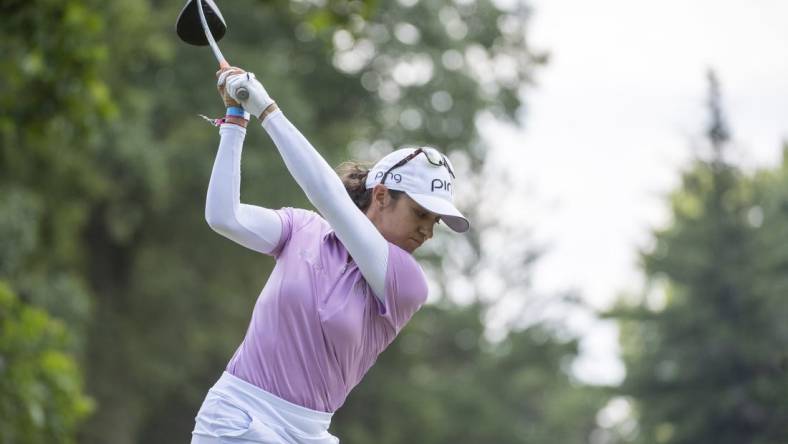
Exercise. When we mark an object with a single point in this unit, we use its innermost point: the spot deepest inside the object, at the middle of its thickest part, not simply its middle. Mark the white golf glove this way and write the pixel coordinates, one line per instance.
(258, 99)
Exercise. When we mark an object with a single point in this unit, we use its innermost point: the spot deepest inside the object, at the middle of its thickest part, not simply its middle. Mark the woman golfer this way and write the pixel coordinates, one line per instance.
(344, 283)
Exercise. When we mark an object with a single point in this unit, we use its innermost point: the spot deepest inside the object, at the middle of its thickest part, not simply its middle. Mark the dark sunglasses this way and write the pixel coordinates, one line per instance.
(433, 156)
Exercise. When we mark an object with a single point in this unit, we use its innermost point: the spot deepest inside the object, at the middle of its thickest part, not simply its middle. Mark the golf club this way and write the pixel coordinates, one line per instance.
(200, 23)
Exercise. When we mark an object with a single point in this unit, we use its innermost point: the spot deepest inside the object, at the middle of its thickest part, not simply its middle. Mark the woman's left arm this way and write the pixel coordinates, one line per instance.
(318, 180)
(327, 193)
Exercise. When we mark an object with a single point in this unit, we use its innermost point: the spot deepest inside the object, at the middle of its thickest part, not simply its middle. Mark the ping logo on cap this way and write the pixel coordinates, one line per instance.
(440, 184)
(396, 177)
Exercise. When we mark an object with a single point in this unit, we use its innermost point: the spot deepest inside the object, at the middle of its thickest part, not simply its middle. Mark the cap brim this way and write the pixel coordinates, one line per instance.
(449, 214)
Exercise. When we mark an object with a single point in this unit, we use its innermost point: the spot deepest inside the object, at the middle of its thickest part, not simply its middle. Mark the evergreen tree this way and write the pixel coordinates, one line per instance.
(705, 367)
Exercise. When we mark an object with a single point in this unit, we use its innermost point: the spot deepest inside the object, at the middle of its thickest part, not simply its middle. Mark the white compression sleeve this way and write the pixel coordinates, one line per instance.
(327, 193)
(253, 227)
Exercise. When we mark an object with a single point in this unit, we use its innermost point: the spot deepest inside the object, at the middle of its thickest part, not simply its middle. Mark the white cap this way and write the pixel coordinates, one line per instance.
(430, 185)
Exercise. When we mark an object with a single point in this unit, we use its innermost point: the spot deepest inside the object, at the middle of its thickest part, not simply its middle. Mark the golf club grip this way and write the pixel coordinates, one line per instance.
(242, 93)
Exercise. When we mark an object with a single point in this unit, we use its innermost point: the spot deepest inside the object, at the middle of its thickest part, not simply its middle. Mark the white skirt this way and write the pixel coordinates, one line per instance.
(235, 411)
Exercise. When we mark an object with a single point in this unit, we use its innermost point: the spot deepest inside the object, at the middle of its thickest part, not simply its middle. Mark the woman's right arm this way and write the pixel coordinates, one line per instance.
(254, 227)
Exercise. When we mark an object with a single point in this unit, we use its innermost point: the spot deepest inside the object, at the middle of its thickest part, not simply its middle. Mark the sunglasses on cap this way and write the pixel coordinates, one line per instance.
(433, 156)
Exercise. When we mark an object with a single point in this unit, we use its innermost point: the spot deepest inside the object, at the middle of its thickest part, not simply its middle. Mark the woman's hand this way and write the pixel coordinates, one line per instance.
(257, 102)
(221, 83)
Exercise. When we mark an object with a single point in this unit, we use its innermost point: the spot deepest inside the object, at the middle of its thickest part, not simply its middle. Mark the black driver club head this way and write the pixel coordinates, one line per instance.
(189, 27)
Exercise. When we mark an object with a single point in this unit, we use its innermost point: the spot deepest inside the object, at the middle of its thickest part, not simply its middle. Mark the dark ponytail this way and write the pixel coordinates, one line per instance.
(354, 177)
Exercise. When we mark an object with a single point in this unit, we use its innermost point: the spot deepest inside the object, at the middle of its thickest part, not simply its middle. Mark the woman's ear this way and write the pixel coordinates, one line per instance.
(380, 196)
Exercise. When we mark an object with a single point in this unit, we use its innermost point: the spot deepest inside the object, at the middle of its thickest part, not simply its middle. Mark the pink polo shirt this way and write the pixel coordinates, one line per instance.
(317, 327)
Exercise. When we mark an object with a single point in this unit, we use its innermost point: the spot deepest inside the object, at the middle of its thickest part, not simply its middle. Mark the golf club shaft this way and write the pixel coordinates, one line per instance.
(242, 93)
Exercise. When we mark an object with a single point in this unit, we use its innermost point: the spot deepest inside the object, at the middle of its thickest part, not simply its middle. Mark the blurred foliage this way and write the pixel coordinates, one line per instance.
(441, 381)
(41, 394)
(705, 348)
(103, 170)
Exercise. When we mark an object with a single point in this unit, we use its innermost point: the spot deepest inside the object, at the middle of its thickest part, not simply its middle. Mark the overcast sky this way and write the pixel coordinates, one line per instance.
(613, 120)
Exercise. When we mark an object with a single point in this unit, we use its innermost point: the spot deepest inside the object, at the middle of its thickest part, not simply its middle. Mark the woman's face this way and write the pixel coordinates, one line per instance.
(401, 221)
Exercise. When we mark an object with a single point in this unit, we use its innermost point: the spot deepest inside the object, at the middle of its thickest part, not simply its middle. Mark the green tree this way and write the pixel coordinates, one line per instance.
(75, 180)
(41, 393)
(706, 366)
